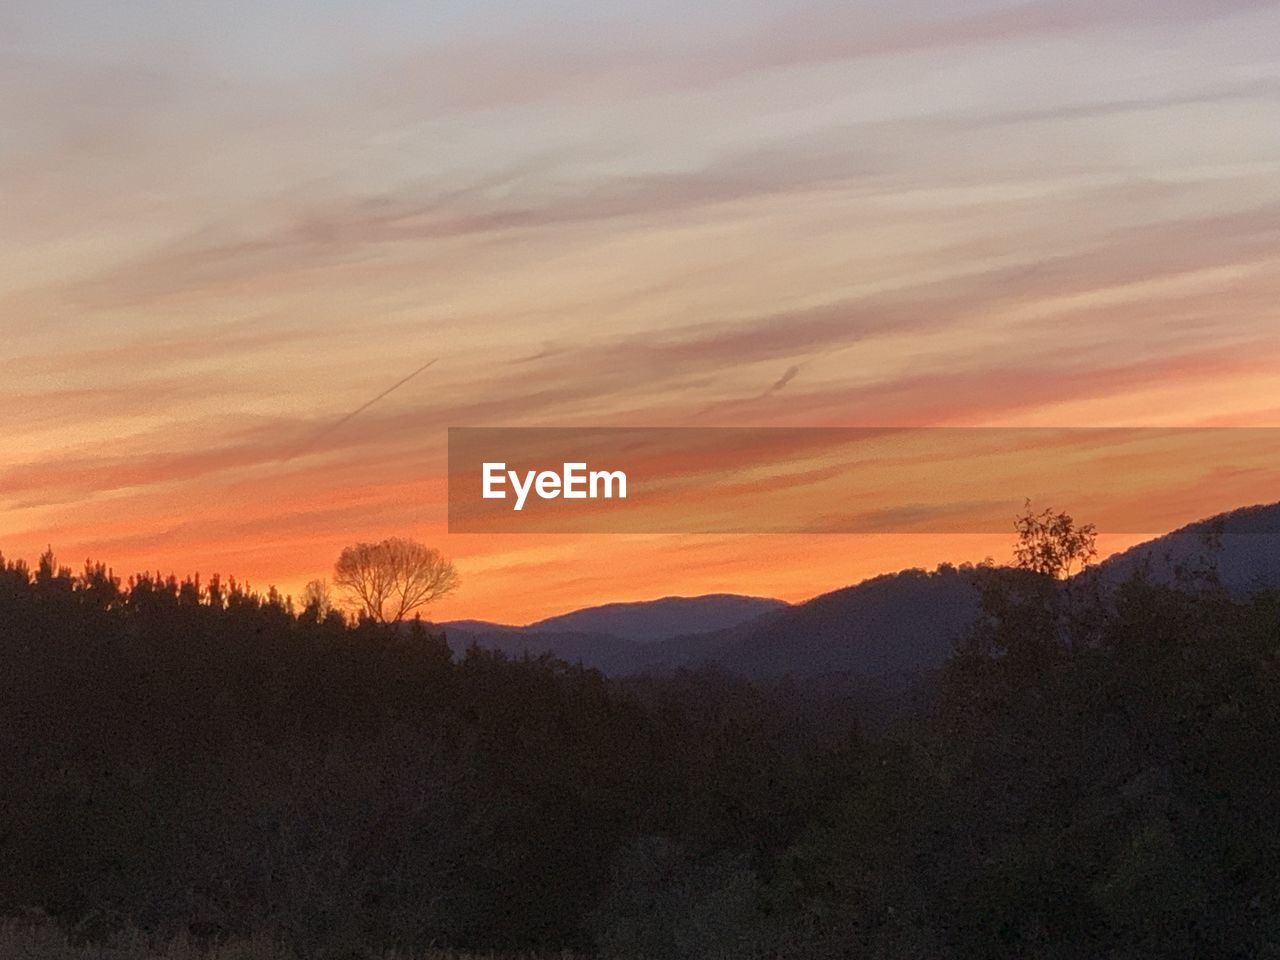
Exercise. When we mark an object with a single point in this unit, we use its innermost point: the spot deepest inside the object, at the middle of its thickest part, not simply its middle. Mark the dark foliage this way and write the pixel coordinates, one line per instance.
(1093, 775)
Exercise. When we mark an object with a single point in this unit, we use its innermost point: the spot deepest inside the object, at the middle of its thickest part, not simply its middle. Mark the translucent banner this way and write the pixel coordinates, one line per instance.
(850, 480)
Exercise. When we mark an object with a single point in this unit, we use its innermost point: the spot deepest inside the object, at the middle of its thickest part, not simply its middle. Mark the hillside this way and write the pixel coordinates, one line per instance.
(890, 625)
(896, 623)
(1243, 546)
(612, 637)
(648, 621)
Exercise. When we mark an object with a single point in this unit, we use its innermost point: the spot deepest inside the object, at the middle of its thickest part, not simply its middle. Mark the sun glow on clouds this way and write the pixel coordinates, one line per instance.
(223, 231)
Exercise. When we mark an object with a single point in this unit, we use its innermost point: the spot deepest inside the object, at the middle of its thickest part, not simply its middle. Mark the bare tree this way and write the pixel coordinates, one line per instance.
(1052, 544)
(391, 579)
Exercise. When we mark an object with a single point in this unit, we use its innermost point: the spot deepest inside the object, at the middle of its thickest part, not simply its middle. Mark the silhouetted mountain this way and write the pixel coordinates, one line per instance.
(647, 621)
(909, 621)
(891, 624)
(477, 626)
(612, 637)
(1243, 546)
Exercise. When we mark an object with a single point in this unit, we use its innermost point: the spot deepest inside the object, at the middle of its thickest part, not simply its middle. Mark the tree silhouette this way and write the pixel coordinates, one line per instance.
(1049, 542)
(393, 578)
(316, 599)
(352, 789)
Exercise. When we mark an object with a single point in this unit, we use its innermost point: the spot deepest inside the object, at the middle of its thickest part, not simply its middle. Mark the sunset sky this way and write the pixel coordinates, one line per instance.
(224, 227)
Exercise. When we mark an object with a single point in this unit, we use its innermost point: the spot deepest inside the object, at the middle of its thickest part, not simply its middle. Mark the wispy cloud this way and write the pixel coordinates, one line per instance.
(217, 245)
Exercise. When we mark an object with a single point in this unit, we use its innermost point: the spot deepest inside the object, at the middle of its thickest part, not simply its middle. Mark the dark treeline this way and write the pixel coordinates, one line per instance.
(1094, 777)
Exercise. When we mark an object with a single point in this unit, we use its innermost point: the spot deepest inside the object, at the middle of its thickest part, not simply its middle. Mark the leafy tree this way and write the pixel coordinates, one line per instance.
(1050, 542)
(391, 579)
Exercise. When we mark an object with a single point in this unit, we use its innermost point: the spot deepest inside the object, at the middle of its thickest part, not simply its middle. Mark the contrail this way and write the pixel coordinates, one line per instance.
(325, 431)
(788, 375)
(782, 381)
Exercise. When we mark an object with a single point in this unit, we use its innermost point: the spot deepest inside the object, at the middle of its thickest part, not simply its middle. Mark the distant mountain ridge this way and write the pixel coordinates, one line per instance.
(891, 625)
(641, 621)
(611, 637)
(648, 621)
(894, 623)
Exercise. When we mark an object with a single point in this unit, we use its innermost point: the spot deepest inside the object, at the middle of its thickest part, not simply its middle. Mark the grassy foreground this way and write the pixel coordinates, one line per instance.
(37, 939)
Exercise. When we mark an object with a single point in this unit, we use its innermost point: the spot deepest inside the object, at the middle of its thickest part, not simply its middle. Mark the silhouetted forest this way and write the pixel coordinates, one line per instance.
(1094, 774)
